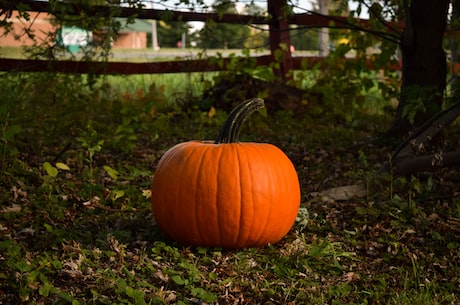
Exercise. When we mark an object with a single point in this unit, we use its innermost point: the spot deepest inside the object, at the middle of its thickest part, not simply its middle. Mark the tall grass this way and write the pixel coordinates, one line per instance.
(182, 87)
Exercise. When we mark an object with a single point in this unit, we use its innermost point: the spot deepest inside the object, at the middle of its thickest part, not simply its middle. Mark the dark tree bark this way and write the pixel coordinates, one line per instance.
(424, 63)
(279, 34)
(454, 46)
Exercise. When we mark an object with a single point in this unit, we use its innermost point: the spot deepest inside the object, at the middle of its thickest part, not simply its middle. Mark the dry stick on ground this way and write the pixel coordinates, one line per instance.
(408, 158)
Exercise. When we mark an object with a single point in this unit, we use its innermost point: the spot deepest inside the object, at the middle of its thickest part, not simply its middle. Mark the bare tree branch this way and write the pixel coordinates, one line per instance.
(404, 160)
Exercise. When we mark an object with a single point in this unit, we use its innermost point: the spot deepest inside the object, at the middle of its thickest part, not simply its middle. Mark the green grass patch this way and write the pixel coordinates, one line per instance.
(11, 52)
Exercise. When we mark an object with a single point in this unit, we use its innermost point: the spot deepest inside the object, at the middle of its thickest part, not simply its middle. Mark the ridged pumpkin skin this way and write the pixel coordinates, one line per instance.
(229, 195)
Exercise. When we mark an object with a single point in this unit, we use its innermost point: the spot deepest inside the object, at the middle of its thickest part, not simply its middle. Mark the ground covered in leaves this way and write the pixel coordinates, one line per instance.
(76, 224)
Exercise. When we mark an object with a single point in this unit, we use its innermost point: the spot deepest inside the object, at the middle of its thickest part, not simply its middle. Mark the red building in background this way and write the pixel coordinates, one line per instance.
(39, 25)
(131, 36)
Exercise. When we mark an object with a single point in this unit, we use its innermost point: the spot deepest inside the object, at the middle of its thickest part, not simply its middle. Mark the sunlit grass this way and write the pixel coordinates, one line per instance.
(176, 86)
(11, 52)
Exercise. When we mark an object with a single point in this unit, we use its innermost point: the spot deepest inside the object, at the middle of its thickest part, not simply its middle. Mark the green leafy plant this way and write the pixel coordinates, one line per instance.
(8, 133)
(50, 179)
(8, 147)
(89, 141)
(139, 111)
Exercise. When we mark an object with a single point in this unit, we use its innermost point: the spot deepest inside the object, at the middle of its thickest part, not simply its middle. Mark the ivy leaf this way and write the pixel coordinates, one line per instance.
(117, 194)
(204, 295)
(113, 173)
(178, 280)
(50, 170)
(62, 166)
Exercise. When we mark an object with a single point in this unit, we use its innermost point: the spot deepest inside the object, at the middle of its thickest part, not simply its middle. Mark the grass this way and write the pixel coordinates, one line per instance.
(163, 54)
(145, 54)
(76, 226)
(177, 87)
(11, 52)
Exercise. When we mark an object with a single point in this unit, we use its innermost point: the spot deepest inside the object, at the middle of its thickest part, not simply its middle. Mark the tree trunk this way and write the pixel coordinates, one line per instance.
(324, 32)
(279, 35)
(424, 68)
(454, 46)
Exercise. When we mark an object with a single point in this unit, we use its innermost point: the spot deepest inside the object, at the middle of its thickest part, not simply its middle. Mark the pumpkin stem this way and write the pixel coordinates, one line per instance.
(230, 131)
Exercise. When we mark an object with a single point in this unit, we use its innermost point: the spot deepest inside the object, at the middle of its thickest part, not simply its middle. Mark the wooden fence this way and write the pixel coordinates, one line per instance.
(278, 25)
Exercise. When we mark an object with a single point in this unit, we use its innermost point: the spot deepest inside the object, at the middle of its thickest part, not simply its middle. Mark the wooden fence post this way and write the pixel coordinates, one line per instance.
(280, 36)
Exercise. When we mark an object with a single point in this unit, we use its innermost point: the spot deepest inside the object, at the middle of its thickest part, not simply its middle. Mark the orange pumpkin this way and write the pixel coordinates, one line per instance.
(226, 193)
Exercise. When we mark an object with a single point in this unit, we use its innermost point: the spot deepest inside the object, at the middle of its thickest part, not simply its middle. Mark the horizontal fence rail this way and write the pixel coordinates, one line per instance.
(180, 66)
